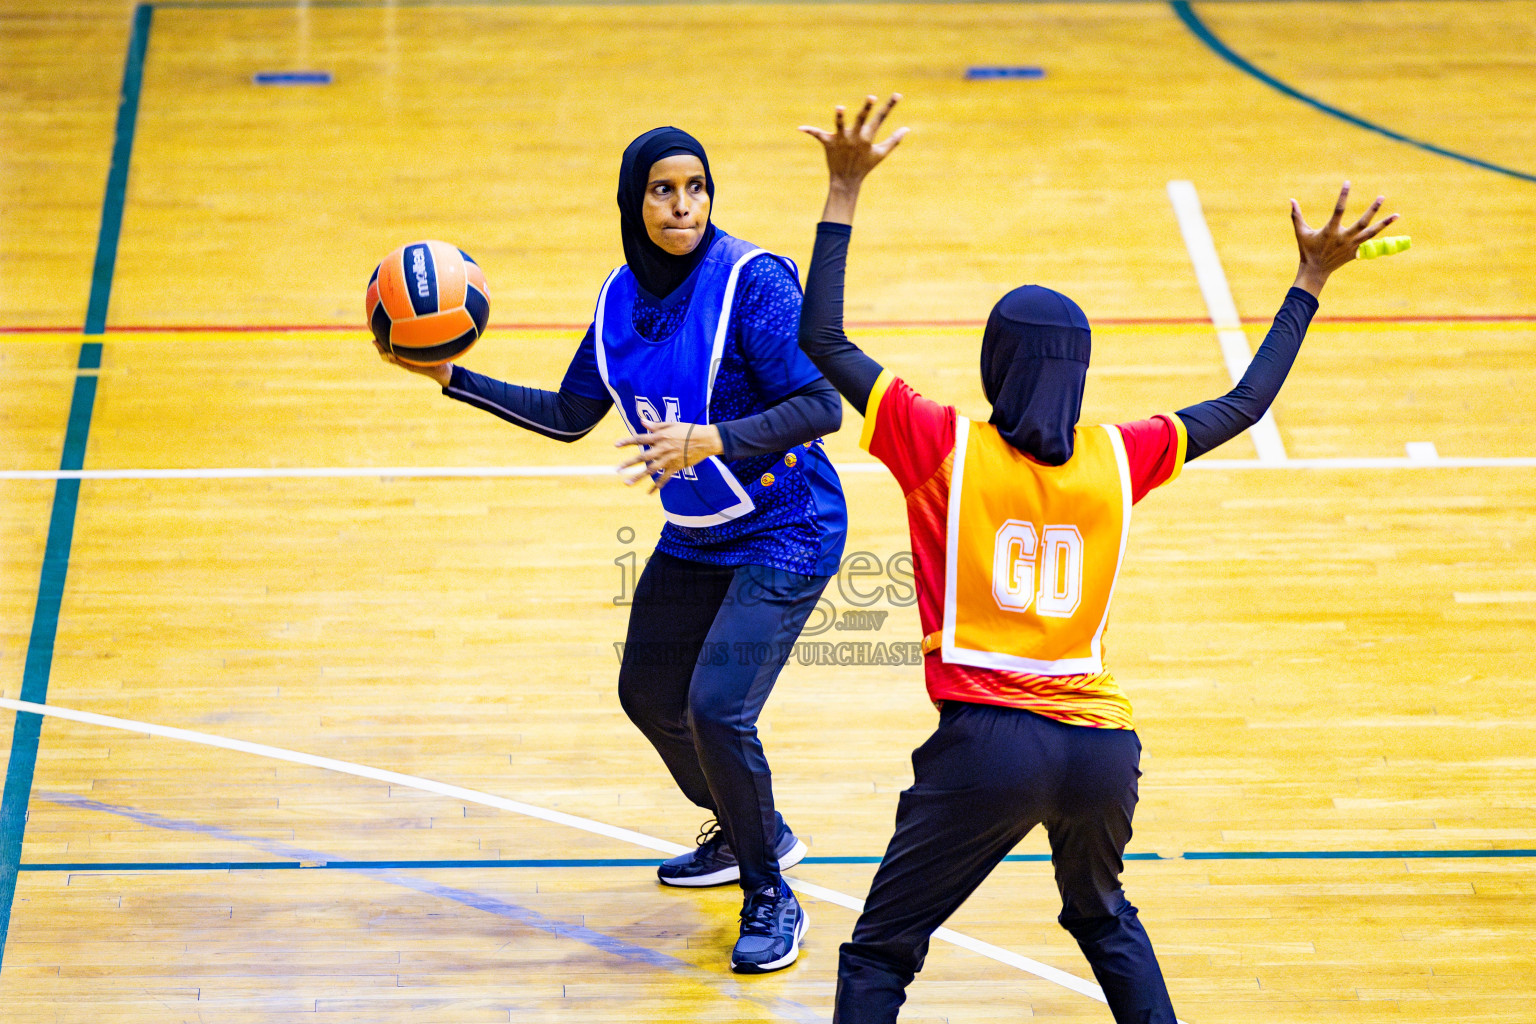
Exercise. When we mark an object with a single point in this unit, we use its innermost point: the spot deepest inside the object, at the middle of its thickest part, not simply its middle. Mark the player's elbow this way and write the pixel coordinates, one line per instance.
(829, 418)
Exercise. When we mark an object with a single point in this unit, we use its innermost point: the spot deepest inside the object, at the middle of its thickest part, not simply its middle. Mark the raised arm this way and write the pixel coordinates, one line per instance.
(1322, 251)
(821, 320)
(851, 154)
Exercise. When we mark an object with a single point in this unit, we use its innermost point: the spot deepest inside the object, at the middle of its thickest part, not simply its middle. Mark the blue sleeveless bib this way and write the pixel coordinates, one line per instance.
(672, 380)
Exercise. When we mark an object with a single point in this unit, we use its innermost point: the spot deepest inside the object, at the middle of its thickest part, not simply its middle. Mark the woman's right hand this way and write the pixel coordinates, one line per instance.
(852, 153)
(442, 373)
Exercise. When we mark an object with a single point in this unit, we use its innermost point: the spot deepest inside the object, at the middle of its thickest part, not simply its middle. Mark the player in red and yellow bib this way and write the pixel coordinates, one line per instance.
(1016, 560)
(1019, 528)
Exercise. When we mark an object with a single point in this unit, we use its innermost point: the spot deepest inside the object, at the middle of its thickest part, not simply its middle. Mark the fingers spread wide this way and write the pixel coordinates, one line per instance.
(1373, 232)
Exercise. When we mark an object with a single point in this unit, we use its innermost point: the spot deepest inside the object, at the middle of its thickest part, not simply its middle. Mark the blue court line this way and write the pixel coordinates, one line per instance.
(117, 176)
(28, 728)
(107, 867)
(27, 731)
(1192, 21)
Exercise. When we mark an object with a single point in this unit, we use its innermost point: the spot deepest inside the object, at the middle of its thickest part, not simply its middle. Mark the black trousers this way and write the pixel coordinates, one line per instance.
(705, 646)
(983, 780)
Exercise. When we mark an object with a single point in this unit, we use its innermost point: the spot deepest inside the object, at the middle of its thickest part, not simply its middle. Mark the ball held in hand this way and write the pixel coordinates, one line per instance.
(427, 303)
(1385, 246)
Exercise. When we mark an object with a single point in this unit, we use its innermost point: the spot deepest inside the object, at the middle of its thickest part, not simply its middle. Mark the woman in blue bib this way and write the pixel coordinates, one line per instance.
(695, 342)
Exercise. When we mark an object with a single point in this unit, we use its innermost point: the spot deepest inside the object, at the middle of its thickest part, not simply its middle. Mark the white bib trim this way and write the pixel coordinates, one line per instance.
(953, 653)
(744, 503)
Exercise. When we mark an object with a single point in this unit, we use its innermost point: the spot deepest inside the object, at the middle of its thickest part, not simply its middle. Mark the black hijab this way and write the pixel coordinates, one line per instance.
(1034, 359)
(658, 271)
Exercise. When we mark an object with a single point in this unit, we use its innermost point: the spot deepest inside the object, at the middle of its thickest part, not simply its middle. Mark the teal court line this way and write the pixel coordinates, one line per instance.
(26, 734)
(117, 176)
(1192, 21)
(628, 862)
(27, 731)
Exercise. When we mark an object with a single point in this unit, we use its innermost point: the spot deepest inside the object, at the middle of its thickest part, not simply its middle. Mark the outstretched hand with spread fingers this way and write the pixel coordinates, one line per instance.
(852, 153)
(1326, 249)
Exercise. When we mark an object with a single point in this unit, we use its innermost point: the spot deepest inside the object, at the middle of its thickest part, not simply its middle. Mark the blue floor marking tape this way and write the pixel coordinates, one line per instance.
(27, 731)
(981, 73)
(292, 78)
(1192, 21)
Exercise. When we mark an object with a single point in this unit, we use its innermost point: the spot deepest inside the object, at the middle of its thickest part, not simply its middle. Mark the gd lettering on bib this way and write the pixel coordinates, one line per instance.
(1033, 552)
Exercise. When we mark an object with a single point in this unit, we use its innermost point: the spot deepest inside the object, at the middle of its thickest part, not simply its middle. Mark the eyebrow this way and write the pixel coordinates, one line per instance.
(667, 181)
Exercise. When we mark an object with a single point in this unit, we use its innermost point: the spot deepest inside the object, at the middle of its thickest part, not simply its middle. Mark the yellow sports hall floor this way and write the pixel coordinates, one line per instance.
(234, 544)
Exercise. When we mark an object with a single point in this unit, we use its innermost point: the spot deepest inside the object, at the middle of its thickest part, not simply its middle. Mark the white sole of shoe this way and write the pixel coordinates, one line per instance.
(782, 962)
(724, 875)
(795, 855)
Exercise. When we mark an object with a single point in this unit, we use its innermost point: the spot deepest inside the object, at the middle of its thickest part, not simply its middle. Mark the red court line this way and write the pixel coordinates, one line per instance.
(1145, 321)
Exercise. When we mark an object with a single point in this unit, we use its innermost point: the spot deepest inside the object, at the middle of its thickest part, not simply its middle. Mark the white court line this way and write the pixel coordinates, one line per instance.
(428, 472)
(348, 768)
(472, 796)
(1219, 304)
(1398, 462)
(304, 472)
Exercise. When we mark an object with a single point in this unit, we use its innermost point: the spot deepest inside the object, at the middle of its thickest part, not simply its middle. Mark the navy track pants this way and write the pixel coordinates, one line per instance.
(705, 645)
(986, 777)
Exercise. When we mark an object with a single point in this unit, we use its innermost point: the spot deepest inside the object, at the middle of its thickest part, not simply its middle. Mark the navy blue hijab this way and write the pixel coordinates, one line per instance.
(658, 271)
(1034, 360)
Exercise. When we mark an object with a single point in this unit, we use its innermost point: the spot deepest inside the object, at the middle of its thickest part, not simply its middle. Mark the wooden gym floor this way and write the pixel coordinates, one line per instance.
(1328, 644)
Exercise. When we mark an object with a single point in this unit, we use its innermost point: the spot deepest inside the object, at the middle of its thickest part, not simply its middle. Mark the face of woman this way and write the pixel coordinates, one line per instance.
(676, 206)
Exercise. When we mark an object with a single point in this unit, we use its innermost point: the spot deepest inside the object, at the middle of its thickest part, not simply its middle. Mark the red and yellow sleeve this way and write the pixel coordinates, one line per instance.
(909, 433)
(872, 408)
(1155, 449)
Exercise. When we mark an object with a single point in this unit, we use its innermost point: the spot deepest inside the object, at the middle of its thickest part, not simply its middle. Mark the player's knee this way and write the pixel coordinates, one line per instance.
(1097, 917)
(630, 699)
(637, 696)
(887, 961)
(713, 710)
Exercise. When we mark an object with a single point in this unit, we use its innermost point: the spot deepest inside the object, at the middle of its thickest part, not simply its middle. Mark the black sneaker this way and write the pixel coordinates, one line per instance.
(713, 863)
(772, 925)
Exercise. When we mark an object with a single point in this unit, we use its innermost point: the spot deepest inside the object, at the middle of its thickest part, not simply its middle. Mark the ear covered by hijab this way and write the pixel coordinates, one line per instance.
(658, 271)
(1034, 360)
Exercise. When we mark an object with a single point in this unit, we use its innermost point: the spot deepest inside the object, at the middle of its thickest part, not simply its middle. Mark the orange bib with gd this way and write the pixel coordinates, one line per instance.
(1033, 552)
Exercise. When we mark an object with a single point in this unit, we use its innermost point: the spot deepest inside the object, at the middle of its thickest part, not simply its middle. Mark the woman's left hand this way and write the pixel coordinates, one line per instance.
(1326, 249)
(668, 449)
